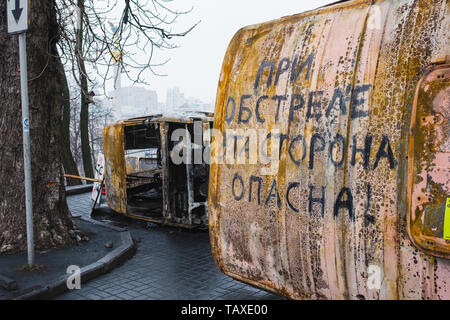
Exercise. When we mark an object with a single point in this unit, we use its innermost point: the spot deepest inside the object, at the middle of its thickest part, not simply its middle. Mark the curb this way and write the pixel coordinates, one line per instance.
(102, 224)
(7, 283)
(102, 266)
(70, 191)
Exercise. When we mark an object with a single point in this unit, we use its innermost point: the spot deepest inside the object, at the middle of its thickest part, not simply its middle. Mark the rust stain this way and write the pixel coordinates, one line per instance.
(142, 181)
(336, 89)
(429, 174)
(51, 184)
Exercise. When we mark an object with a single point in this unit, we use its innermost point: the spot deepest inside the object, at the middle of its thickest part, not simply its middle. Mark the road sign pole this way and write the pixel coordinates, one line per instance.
(26, 145)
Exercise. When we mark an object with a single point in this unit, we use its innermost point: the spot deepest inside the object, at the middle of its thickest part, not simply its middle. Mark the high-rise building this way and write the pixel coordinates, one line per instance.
(135, 102)
(174, 99)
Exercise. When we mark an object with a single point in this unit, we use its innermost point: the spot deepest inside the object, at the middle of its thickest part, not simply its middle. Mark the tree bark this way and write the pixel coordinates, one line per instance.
(84, 113)
(69, 164)
(53, 224)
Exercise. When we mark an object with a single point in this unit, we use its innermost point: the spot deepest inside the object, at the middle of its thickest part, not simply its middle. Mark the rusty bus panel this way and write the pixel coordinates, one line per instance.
(115, 170)
(318, 165)
(429, 174)
(141, 179)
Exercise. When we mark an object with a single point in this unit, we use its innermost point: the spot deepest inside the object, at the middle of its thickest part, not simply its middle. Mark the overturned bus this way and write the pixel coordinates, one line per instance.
(143, 180)
(331, 176)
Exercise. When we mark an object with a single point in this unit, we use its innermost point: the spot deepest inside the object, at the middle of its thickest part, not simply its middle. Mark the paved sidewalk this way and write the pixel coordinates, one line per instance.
(169, 263)
(54, 263)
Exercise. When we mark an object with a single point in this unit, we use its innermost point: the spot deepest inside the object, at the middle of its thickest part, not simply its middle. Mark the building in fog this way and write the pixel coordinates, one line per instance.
(177, 102)
(131, 102)
(174, 99)
(135, 102)
(194, 104)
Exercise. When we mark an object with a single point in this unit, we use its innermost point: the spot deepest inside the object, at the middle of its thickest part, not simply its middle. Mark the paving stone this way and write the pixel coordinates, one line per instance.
(168, 264)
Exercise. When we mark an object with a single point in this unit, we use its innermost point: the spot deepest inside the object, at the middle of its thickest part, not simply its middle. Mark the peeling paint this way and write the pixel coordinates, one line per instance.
(338, 86)
(142, 181)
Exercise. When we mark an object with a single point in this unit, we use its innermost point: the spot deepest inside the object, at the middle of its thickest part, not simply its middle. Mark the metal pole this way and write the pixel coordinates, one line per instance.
(26, 145)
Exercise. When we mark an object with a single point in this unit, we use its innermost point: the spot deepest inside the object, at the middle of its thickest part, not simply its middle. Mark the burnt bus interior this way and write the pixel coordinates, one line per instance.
(158, 189)
(143, 169)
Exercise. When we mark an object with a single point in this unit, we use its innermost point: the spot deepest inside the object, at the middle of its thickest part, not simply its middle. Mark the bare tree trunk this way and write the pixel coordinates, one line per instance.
(84, 113)
(75, 137)
(69, 164)
(53, 223)
(92, 139)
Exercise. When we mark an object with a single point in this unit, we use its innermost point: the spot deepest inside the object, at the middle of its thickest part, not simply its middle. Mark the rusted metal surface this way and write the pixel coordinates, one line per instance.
(141, 179)
(335, 91)
(429, 154)
(115, 169)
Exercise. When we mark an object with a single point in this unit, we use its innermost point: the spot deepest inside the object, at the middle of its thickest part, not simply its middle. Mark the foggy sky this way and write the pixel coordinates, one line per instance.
(195, 66)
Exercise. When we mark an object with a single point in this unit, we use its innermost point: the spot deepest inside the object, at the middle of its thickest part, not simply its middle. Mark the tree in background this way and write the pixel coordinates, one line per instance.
(68, 161)
(85, 96)
(52, 42)
(100, 115)
(53, 223)
(96, 43)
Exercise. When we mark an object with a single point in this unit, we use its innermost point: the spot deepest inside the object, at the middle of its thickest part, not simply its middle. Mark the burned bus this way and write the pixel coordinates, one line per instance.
(338, 183)
(143, 180)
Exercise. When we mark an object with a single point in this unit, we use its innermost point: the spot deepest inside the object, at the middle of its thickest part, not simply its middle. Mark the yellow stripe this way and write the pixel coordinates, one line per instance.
(447, 220)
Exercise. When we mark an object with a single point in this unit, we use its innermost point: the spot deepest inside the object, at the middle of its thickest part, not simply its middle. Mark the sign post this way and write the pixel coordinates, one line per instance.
(17, 14)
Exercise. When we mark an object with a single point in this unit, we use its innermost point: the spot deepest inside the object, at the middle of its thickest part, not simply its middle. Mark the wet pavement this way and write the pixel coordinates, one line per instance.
(53, 263)
(170, 263)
